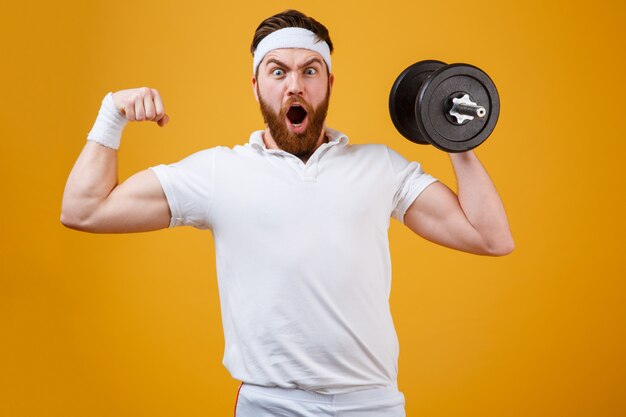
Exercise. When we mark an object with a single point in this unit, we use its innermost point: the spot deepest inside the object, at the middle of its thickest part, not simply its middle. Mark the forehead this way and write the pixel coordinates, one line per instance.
(292, 56)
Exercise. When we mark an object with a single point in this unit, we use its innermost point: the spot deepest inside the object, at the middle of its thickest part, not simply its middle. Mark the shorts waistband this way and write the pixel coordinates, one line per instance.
(302, 395)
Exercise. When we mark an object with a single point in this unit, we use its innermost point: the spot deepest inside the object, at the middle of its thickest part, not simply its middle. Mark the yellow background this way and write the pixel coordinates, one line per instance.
(129, 325)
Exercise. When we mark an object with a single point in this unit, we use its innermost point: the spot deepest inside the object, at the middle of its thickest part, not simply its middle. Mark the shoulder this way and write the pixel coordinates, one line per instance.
(379, 156)
(209, 154)
(369, 149)
(378, 152)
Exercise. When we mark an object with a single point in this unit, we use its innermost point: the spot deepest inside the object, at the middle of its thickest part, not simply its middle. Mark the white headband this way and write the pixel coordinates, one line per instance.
(291, 38)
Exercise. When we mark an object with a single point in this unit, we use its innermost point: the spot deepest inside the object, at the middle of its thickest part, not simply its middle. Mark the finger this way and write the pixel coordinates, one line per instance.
(129, 109)
(140, 114)
(164, 120)
(158, 105)
(148, 105)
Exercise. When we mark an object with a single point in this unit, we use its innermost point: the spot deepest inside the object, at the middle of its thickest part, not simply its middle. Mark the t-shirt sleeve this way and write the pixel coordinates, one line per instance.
(188, 187)
(409, 180)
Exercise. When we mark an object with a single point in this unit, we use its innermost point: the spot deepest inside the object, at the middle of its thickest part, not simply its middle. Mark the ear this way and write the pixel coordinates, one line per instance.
(331, 80)
(254, 88)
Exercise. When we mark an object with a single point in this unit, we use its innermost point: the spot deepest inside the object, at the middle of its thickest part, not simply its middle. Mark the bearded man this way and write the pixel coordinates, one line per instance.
(300, 220)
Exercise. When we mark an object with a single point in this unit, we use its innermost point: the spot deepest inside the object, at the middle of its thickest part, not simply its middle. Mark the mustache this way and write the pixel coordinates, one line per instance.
(291, 101)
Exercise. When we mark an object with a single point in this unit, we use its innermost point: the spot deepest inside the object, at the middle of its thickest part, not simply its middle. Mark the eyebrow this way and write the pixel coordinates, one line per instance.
(282, 64)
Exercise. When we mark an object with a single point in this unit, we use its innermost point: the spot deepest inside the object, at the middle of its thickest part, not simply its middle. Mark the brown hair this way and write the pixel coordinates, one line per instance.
(288, 19)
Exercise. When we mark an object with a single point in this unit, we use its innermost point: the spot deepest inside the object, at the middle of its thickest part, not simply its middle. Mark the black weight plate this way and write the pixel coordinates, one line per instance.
(432, 104)
(403, 96)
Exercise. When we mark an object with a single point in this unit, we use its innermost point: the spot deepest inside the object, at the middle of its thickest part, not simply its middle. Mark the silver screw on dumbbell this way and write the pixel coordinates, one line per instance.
(463, 108)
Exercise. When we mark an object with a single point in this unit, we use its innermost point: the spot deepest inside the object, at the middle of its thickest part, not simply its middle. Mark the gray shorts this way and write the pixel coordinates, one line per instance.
(260, 401)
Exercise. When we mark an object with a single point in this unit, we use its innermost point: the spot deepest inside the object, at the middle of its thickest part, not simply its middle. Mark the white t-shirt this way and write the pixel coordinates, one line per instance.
(302, 255)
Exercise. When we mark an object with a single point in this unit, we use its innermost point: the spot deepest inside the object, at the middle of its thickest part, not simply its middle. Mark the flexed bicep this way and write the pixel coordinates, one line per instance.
(137, 205)
(437, 216)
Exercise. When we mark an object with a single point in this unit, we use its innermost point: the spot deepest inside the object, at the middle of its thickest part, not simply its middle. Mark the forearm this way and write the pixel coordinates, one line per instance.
(95, 172)
(481, 203)
(91, 180)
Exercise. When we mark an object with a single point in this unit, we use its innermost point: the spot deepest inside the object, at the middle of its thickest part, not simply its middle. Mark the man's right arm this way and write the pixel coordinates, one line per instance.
(94, 202)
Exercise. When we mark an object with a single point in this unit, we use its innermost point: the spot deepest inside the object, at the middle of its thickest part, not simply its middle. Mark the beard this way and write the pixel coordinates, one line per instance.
(298, 144)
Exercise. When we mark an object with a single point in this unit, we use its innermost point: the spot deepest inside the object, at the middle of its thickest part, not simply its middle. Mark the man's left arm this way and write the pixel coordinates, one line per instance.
(473, 221)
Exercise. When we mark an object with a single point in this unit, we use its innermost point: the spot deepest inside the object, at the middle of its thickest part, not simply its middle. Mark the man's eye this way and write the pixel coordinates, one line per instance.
(310, 71)
(277, 72)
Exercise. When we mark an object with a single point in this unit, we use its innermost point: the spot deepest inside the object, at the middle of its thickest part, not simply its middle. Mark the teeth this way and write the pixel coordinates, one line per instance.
(297, 125)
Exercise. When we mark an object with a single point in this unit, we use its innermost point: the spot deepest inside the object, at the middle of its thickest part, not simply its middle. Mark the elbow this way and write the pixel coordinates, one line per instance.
(73, 220)
(502, 248)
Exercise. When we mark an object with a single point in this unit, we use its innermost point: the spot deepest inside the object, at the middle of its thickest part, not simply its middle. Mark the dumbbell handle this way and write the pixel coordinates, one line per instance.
(463, 108)
(470, 110)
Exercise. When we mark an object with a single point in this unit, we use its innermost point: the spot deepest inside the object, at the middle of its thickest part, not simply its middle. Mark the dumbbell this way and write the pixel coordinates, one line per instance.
(453, 107)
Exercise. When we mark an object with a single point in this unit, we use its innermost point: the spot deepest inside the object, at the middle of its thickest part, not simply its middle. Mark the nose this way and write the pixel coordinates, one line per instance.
(295, 86)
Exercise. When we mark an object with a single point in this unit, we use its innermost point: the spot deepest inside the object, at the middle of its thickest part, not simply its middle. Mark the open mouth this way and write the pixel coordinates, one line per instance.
(296, 114)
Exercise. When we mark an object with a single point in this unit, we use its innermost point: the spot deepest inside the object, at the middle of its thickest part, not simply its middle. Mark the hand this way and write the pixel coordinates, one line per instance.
(139, 104)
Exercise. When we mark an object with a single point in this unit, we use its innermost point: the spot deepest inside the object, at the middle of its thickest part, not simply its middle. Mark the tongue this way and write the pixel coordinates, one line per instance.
(296, 114)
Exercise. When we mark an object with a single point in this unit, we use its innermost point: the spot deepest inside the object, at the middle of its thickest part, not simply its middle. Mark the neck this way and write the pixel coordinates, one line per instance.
(270, 143)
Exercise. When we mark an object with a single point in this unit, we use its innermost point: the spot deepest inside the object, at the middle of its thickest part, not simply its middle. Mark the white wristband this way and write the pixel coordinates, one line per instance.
(107, 130)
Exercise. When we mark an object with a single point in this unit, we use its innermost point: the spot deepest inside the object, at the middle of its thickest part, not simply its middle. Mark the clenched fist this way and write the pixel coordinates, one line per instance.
(139, 104)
